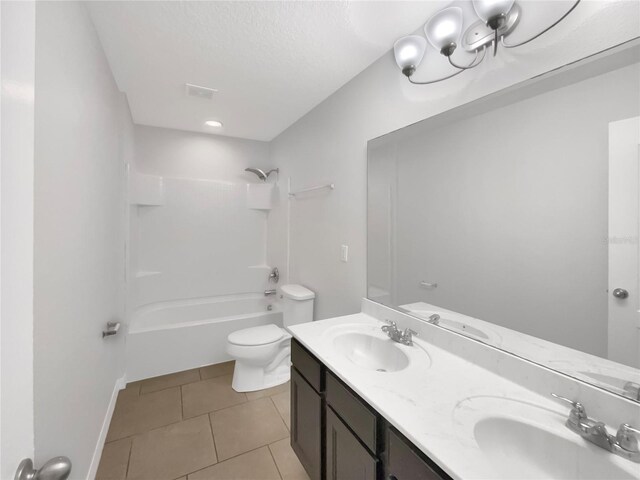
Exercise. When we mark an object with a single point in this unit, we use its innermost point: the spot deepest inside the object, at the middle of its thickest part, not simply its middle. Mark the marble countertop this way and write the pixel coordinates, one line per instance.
(436, 401)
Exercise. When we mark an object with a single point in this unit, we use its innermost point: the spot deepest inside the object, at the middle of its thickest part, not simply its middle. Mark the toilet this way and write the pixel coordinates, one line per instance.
(263, 354)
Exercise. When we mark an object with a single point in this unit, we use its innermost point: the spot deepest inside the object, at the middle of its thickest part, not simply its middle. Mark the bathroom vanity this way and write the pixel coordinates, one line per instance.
(336, 434)
(366, 407)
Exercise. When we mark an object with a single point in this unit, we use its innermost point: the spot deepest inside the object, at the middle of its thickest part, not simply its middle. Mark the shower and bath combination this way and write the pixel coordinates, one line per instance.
(262, 175)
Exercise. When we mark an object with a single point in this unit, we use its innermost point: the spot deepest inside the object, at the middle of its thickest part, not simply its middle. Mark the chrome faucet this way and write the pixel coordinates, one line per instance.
(405, 338)
(434, 319)
(624, 443)
(272, 291)
(274, 275)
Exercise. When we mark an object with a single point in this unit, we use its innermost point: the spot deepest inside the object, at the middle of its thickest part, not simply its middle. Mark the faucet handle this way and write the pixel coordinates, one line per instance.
(627, 438)
(390, 322)
(578, 408)
(408, 331)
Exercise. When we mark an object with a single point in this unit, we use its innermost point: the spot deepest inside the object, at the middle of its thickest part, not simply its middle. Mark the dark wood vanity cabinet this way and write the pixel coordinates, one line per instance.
(404, 462)
(338, 436)
(346, 457)
(306, 425)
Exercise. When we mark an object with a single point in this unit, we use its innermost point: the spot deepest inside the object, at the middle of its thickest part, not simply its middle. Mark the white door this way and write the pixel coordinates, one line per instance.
(624, 220)
(17, 59)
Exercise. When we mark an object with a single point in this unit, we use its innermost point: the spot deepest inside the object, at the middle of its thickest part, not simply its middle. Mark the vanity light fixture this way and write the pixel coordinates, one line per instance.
(213, 123)
(497, 19)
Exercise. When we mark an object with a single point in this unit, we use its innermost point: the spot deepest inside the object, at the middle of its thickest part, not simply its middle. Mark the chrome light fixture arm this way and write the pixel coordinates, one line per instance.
(473, 64)
(514, 45)
(461, 68)
(437, 80)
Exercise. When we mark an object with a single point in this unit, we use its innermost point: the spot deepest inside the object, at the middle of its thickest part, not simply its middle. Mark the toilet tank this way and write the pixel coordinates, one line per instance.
(297, 304)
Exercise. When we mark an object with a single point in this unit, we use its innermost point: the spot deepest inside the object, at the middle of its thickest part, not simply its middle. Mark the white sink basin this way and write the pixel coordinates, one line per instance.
(516, 447)
(370, 352)
(524, 441)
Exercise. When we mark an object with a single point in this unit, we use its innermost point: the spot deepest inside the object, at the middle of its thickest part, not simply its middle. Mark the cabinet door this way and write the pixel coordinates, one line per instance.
(306, 425)
(403, 463)
(347, 458)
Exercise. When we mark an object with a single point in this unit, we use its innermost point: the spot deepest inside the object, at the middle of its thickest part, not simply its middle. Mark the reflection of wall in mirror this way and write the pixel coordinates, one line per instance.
(507, 211)
(380, 229)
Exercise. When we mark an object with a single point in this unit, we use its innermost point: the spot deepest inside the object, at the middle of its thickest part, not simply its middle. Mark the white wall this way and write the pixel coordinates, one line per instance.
(79, 234)
(16, 284)
(203, 240)
(329, 143)
(511, 221)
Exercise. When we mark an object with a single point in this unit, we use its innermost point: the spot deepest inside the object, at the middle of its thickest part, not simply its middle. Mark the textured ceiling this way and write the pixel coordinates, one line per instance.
(272, 62)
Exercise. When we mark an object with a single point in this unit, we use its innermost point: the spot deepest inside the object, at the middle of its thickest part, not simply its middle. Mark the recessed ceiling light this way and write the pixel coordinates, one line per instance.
(213, 123)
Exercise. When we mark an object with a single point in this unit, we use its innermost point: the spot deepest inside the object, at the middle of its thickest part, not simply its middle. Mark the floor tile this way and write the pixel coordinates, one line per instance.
(217, 370)
(167, 381)
(172, 451)
(131, 391)
(255, 465)
(134, 415)
(114, 460)
(247, 426)
(288, 464)
(282, 401)
(268, 391)
(209, 395)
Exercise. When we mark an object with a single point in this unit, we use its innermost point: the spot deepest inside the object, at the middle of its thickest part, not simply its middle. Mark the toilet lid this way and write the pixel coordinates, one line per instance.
(256, 335)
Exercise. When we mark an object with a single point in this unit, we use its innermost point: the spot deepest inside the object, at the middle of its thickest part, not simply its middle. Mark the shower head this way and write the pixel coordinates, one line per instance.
(262, 175)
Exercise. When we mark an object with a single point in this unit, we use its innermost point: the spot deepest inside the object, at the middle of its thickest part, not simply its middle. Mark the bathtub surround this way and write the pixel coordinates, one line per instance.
(330, 143)
(197, 248)
(204, 218)
(79, 235)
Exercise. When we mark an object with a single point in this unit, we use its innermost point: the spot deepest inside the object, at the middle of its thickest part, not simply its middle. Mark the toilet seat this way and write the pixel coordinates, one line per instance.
(255, 336)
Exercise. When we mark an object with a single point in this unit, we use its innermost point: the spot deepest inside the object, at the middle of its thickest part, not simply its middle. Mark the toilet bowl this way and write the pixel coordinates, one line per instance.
(263, 354)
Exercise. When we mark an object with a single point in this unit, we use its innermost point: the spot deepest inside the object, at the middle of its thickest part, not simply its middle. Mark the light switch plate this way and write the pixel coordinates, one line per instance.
(344, 253)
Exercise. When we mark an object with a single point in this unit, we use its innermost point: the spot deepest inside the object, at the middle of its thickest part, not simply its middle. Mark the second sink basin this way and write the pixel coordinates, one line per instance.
(525, 441)
(370, 352)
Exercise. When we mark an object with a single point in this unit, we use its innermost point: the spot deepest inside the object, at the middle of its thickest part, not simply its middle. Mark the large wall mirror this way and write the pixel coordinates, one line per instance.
(514, 220)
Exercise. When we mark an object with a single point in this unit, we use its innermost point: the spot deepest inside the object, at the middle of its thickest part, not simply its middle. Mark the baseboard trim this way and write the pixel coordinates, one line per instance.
(120, 384)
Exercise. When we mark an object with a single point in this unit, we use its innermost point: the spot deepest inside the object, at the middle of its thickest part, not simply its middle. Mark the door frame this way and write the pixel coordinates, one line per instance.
(623, 344)
(17, 76)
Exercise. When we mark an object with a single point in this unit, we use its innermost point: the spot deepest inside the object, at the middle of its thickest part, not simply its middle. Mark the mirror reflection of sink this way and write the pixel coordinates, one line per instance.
(523, 440)
(370, 352)
(456, 325)
(627, 388)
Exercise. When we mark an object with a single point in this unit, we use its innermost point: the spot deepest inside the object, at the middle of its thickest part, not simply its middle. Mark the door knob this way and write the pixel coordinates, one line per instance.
(620, 293)
(58, 468)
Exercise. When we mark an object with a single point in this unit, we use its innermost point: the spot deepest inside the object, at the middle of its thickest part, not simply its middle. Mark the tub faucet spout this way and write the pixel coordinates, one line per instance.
(270, 292)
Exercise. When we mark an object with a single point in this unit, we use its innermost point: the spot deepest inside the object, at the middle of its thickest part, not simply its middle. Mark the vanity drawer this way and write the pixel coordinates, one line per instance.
(307, 365)
(405, 463)
(355, 413)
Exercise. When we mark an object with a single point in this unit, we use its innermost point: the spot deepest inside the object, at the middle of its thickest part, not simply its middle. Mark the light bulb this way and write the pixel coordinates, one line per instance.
(409, 51)
(444, 28)
(493, 12)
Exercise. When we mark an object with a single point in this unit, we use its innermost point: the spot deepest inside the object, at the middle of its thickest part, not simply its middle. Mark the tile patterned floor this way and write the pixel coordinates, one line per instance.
(192, 425)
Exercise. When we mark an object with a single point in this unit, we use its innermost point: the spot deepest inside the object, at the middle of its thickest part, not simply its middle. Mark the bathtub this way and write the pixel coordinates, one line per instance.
(173, 336)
